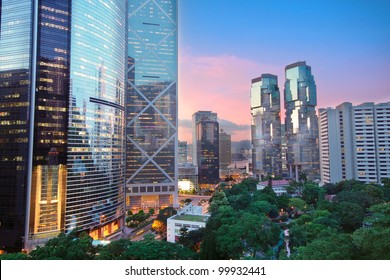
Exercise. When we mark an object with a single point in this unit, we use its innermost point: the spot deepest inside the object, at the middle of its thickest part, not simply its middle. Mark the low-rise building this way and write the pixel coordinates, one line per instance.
(190, 217)
(278, 186)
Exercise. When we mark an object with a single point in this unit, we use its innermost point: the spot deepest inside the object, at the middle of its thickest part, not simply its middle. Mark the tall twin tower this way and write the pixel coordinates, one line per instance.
(88, 115)
(301, 152)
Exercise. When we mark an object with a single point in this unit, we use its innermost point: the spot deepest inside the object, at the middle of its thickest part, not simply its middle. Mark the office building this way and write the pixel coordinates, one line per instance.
(266, 127)
(183, 152)
(62, 109)
(188, 178)
(196, 118)
(206, 145)
(300, 100)
(151, 105)
(283, 144)
(354, 142)
(225, 150)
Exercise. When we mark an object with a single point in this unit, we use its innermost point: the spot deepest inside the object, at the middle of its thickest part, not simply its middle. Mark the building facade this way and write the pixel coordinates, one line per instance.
(183, 152)
(335, 141)
(196, 119)
(266, 127)
(151, 105)
(207, 148)
(225, 150)
(188, 178)
(354, 142)
(300, 100)
(62, 112)
(189, 217)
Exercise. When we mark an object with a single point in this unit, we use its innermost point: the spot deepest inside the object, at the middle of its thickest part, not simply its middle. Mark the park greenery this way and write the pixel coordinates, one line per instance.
(349, 220)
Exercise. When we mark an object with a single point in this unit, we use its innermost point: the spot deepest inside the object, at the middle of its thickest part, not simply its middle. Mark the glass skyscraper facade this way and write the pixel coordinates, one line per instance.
(95, 180)
(62, 71)
(206, 147)
(151, 104)
(266, 126)
(300, 100)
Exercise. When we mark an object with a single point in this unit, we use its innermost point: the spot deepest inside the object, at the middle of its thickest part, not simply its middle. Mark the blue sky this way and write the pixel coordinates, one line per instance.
(347, 43)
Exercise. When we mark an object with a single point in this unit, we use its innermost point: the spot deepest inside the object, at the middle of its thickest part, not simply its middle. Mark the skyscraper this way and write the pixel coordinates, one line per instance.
(197, 118)
(183, 152)
(266, 126)
(335, 142)
(225, 150)
(300, 100)
(207, 148)
(151, 104)
(61, 134)
(354, 142)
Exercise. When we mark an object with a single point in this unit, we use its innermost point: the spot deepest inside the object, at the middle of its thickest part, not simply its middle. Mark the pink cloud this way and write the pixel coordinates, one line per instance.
(220, 84)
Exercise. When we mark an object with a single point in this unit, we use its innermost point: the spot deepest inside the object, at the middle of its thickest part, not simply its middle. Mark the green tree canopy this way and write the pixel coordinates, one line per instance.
(219, 199)
(158, 250)
(115, 250)
(334, 247)
(350, 215)
(72, 246)
(312, 193)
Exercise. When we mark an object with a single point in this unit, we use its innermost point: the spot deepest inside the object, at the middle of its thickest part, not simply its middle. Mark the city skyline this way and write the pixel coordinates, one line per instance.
(220, 55)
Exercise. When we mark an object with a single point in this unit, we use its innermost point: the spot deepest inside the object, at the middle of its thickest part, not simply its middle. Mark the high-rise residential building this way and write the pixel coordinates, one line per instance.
(335, 142)
(206, 145)
(225, 150)
(151, 104)
(61, 119)
(300, 100)
(183, 152)
(354, 142)
(197, 118)
(266, 127)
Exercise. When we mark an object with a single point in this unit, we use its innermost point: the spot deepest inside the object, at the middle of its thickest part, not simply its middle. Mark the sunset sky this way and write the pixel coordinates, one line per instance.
(224, 44)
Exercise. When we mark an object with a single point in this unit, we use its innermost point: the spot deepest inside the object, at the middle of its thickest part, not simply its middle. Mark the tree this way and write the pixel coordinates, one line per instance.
(350, 215)
(330, 188)
(159, 227)
(372, 243)
(380, 215)
(297, 236)
(219, 199)
(297, 204)
(259, 207)
(258, 233)
(249, 184)
(335, 247)
(160, 223)
(225, 215)
(193, 239)
(158, 250)
(282, 201)
(115, 250)
(151, 211)
(240, 202)
(228, 243)
(312, 193)
(386, 188)
(14, 256)
(72, 246)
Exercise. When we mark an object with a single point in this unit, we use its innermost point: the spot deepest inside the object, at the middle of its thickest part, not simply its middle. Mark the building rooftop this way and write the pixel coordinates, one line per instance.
(276, 183)
(190, 218)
